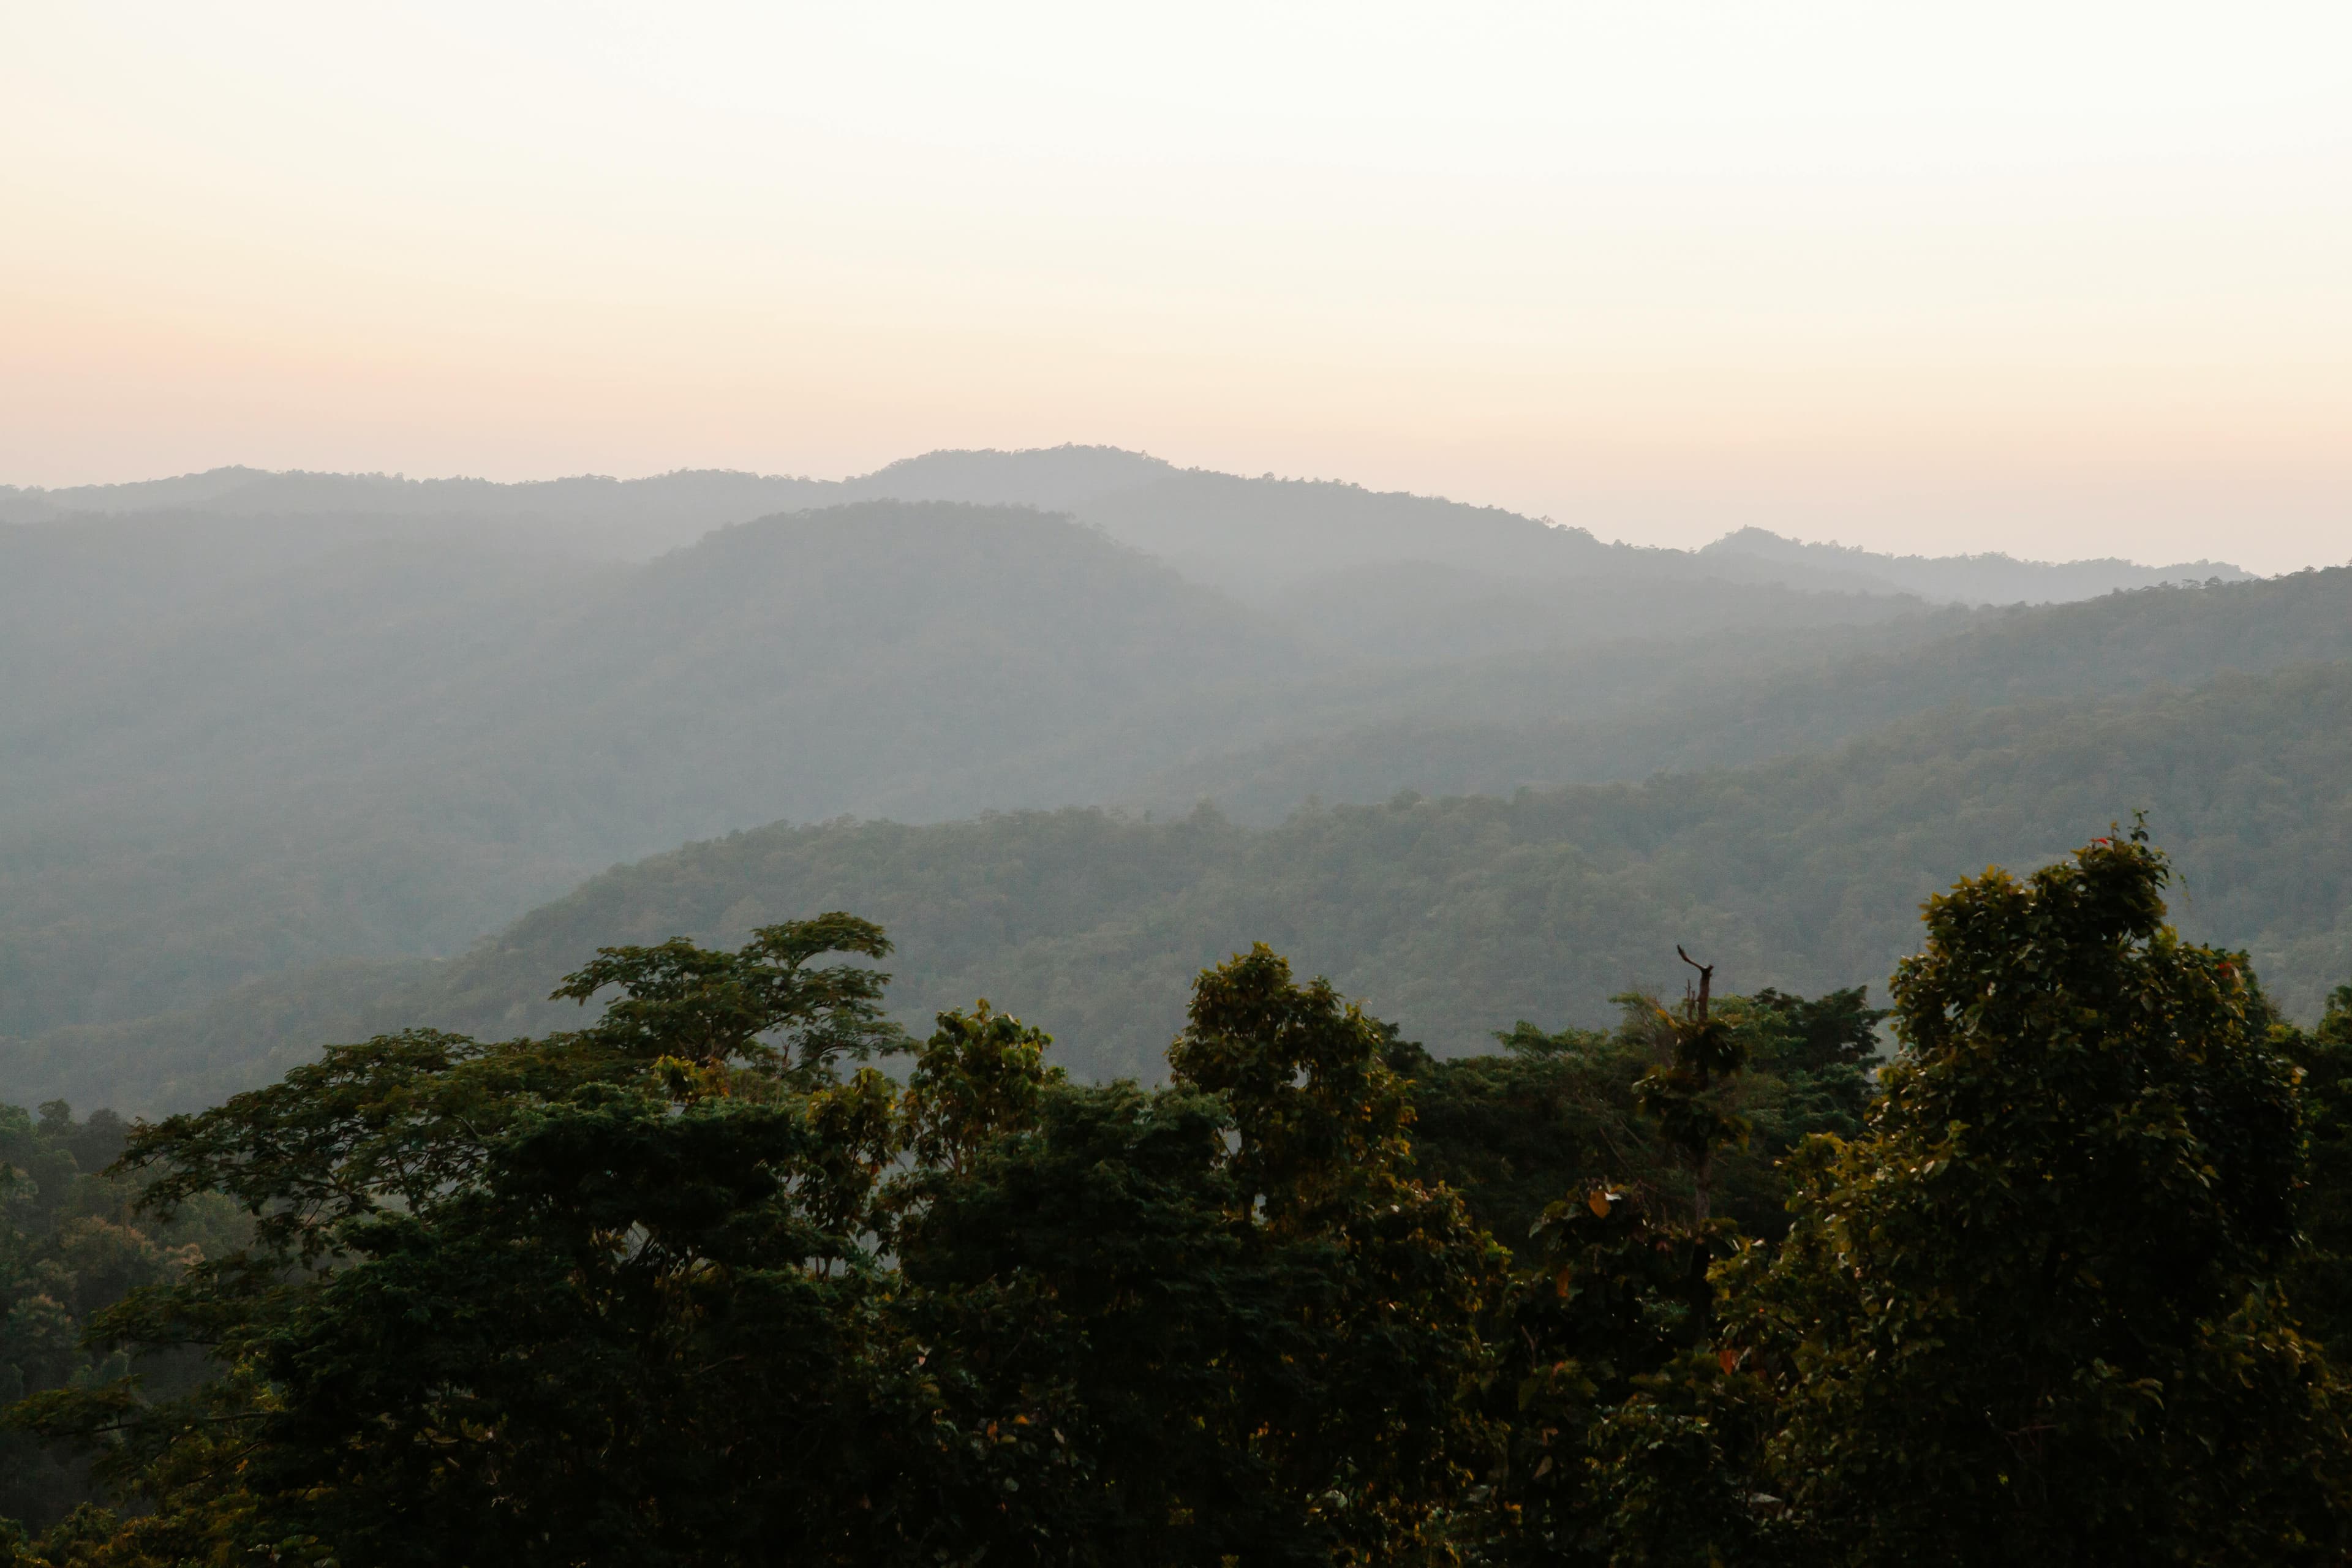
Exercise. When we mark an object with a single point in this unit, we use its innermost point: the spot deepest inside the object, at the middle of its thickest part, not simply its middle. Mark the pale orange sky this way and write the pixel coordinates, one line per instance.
(2063, 280)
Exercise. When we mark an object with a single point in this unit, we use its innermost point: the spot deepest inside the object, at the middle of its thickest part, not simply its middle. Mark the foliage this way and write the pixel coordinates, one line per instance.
(698, 1282)
(71, 1245)
(1556, 1112)
(2033, 1316)
(1601, 1336)
(2320, 1283)
(677, 1287)
(1632, 1437)
(1682, 1093)
(1257, 1340)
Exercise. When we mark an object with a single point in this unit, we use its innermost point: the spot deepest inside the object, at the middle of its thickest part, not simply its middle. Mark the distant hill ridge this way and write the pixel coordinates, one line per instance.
(1247, 535)
(1990, 578)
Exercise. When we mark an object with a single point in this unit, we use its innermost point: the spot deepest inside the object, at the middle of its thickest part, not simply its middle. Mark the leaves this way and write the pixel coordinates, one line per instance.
(1991, 1312)
(678, 1286)
(690, 1284)
(713, 1008)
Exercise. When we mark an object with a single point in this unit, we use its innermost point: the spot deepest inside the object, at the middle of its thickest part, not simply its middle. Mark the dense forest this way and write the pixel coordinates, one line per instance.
(74, 1243)
(694, 1279)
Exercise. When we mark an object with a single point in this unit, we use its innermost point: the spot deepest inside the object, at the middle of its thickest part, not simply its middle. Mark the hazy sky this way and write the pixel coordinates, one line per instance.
(2060, 279)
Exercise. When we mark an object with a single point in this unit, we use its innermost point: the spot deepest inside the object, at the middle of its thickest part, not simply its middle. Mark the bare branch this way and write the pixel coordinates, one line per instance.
(1705, 978)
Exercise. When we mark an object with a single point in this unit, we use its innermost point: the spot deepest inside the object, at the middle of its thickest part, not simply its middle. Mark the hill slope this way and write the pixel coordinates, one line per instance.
(1741, 701)
(384, 748)
(376, 723)
(1454, 917)
(393, 748)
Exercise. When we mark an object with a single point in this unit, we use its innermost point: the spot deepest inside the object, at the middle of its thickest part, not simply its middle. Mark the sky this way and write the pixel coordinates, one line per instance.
(2058, 279)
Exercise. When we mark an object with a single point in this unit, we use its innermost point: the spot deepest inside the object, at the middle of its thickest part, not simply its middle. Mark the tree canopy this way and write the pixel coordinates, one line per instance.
(738, 1272)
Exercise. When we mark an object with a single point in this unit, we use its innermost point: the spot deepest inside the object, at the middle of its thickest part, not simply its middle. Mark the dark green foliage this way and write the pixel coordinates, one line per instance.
(1558, 1112)
(979, 1077)
(508, 1379)
(1314, 1100)
(1256, 1350)
(1549, 1114)
(1616, 1304)
(2034, 1315)
(762, 1004)
(1684, 1093)
(674, 1289)
(71, 1245)
(1634, 1439)
(690, 1285)
(1839, 1030)
(2319, 1284)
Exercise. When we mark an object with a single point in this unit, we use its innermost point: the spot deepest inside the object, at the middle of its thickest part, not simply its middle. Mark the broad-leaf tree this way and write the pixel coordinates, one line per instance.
(2034, 1315)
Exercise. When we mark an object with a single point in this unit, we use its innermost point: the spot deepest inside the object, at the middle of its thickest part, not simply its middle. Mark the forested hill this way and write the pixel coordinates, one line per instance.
(1741, 698)
(391, 747)
(388, 750)
(1453, 917)
(254, 745)
(386, 717)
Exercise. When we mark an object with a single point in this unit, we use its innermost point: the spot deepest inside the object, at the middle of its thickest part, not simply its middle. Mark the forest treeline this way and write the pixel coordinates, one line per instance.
(698, 1281)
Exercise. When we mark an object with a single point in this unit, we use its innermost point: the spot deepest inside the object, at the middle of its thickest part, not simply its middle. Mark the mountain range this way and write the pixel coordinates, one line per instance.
(1250, 533)
(295, 743)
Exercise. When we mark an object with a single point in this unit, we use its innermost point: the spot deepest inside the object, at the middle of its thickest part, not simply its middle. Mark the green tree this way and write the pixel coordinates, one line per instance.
(2320, 1283)
(2033, 1316)
(1631, 1439)
(978, 1078)
(1606, 1385)
(1254, 1328)
(1682, 1092)
(70, 1246)
(1560, 1111)
(682, 1285)
(591, 1296)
